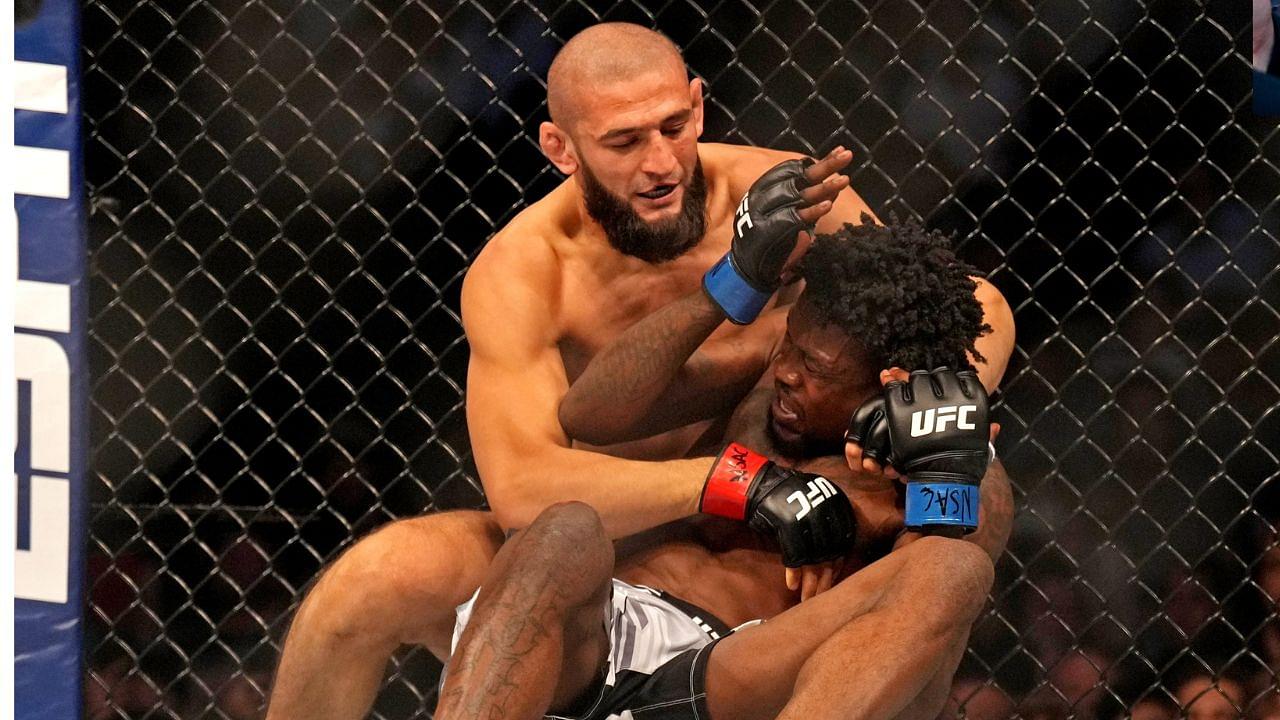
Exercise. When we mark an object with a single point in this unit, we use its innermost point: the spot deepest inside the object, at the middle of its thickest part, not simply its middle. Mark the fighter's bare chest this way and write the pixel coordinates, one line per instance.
(596, 311)
(600, 300)
(716, 564)
(737, 573)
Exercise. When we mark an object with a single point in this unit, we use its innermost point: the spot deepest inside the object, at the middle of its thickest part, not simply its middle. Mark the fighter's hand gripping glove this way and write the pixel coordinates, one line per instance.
(938, 432)
(811, 517)
(868, 428)
(765, 227)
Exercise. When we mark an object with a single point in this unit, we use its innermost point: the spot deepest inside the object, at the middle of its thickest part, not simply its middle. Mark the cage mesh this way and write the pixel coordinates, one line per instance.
(285, 195)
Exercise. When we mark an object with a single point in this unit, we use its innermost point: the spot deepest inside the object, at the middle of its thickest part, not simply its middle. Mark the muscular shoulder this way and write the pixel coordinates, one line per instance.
(741, 165)
(516, 278)
(523, 250)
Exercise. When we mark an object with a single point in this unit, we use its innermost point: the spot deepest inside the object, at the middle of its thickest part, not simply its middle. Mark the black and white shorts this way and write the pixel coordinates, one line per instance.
(658, 652)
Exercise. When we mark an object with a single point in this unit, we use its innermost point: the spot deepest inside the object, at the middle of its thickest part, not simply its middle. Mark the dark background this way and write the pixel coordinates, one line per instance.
(286, 195)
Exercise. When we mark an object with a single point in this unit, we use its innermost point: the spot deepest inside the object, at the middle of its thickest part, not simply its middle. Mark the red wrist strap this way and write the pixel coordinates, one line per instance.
(725, 492)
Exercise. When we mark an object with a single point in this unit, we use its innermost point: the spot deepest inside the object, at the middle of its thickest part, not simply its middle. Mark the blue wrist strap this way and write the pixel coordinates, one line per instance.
(942, 503)
(741, 302)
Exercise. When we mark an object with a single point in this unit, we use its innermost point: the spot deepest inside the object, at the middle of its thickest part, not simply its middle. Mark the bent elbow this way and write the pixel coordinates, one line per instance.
(570, 418)
(586, 427)
(512, 508)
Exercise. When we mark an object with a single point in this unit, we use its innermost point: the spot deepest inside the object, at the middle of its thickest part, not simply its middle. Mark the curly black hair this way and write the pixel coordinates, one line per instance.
(898, 290)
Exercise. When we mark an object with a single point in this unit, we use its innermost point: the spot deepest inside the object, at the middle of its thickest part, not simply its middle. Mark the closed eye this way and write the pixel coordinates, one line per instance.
(819, 370)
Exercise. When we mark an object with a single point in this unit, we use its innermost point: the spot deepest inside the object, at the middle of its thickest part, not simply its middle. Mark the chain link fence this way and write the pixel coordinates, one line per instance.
(286, 195)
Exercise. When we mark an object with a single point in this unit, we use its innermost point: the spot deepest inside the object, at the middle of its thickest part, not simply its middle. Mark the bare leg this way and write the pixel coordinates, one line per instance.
(398, 585)
(538, 634)
(867, 648)
(933, 698)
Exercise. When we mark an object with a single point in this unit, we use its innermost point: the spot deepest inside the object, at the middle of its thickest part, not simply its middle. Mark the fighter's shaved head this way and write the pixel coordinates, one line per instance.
(601, 54)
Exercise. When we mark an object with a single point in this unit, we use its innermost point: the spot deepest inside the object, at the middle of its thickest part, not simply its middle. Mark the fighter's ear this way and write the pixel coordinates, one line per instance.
(695, 97)
(558, 147)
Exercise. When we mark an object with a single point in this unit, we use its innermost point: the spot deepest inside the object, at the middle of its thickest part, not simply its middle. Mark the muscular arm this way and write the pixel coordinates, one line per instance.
(995, 514)
(514, 385)
(995, 511)
(654, 378)
(650, 378)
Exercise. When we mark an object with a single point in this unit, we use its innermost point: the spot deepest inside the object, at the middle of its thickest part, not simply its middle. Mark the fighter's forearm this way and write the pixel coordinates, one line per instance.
(630, 495)
(995, 513)
(615, 396)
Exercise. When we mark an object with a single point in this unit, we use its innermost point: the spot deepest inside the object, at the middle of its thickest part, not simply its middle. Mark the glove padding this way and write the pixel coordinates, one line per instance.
(868, 428)
(935, 430)
(765, 226)
(810, 516)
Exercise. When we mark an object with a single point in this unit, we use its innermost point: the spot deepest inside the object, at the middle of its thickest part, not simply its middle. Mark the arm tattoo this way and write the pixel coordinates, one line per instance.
(651, 356)
(626, 379)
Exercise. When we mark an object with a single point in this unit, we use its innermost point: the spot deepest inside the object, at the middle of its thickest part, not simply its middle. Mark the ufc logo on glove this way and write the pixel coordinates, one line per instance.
(820, 489)
(745, 485)
(935, 430)
(744, 217)
(928, 422)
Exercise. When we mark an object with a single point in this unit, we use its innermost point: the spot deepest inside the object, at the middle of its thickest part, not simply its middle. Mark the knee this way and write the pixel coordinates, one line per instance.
(569, 525)
(571, 530)
(410, 565)
(956, 574)
(333, 605)
(366, 575)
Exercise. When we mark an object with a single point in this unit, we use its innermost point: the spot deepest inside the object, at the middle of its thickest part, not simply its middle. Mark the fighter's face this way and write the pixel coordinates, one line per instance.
(630, 234)
(637, 146)
(820, 377)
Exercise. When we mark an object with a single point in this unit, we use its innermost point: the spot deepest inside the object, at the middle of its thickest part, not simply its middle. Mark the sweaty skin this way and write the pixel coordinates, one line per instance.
(819, 370)
(819, 374)
(542, 298)
(546, 295)
(735, 573)
(732, 572)
(913, 606)
(552, 289)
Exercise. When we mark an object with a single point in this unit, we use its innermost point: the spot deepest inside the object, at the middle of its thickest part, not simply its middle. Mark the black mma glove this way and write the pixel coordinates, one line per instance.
(935, 430)
(765, 226)
(811, 517)
(868, 428)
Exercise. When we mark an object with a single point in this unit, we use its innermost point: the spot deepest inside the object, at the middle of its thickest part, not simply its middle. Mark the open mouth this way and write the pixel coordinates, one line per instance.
(784, 407)
(782, 424)
(783, 415)
(660, 191)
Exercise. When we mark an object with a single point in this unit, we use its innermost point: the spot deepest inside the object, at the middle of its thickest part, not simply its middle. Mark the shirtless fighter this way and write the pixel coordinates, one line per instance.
(646, 212)
(549, 630)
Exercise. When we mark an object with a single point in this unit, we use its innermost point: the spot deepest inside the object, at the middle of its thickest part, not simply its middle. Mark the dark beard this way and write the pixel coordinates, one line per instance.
(651, 242)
